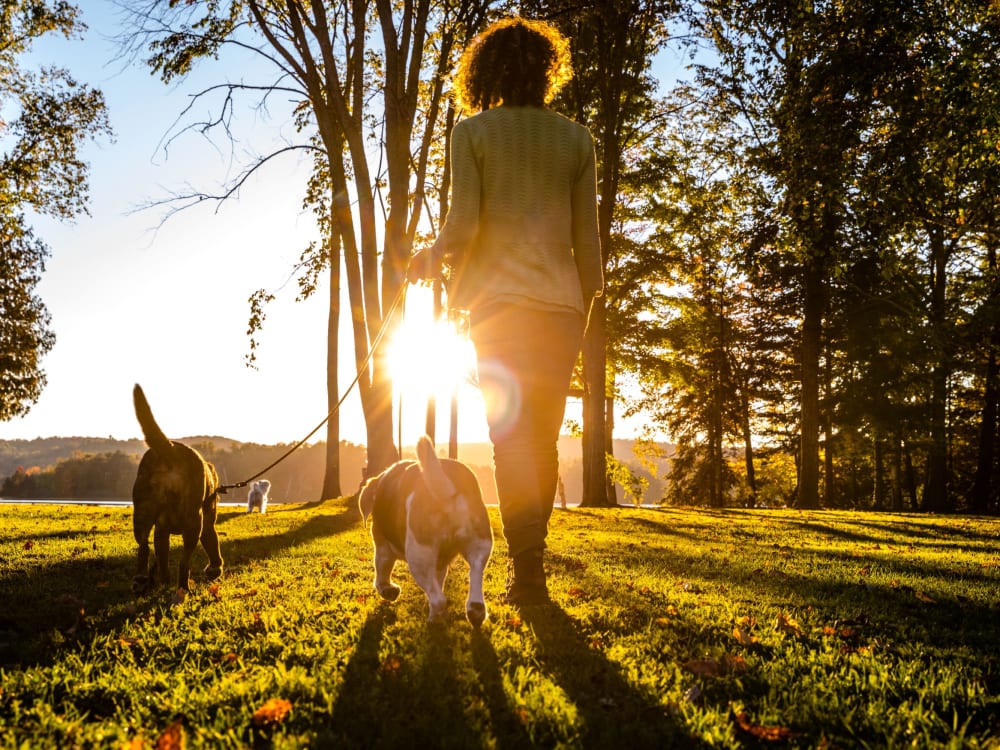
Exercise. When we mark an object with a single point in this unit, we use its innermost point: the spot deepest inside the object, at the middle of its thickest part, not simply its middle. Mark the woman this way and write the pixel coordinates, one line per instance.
(524, 258)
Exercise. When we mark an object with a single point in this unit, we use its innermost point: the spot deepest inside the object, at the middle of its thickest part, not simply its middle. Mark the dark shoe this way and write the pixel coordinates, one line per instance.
(526, 580)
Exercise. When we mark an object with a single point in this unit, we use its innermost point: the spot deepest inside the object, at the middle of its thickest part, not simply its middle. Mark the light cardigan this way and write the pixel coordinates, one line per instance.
(522, 227)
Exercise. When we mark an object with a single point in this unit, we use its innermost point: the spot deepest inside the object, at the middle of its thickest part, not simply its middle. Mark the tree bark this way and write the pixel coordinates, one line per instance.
(981, 496)
(936, 489)
(331, 475)
(808, 491)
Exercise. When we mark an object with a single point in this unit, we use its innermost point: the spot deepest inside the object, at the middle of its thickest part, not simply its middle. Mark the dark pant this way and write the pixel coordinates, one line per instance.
(525, 359)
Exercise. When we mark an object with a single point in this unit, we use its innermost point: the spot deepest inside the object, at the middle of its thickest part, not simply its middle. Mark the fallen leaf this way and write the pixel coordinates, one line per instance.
(785, 624)
(865, 570)
(213, 590)
(743, 637)
(762, 732)
(28, 545)
(172, 737)
(924, 598)
(514, 621)
(179, 596)
(733, 663)
(135, 743)
(576, 592)
(392, 665)
(273, 712)
(703, 667)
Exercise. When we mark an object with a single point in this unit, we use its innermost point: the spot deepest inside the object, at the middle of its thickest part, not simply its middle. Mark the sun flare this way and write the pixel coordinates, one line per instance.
(429, 357)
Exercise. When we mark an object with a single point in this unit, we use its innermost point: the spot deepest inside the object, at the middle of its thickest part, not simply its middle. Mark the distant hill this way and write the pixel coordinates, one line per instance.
(47, 452)
(300, 476)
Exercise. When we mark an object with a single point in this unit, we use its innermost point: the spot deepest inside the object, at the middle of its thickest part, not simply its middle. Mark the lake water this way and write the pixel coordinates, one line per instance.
(88, 501)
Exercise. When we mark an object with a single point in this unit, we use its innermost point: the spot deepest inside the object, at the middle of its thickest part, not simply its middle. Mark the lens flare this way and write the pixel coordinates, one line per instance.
(429, 357)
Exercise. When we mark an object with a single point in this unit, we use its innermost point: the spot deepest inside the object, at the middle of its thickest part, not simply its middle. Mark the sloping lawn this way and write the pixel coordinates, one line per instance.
(672, 628)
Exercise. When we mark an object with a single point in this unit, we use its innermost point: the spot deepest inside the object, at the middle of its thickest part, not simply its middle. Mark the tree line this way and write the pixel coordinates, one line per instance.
(110, 475)
(799, 232)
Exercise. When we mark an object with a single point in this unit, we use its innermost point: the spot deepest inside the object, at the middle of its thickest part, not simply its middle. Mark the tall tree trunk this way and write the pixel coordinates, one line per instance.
(981, 496)
(897, 473)
(746, 431)
(878, 497)
(595, 463)
(808, 493)
(936, 489)
(331, 476)
(609, 444)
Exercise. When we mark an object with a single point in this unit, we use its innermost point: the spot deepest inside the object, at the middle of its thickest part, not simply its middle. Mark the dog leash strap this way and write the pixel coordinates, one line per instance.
(224, 489)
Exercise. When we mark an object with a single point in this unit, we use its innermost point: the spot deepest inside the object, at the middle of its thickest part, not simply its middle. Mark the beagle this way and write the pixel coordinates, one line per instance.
(428, 512)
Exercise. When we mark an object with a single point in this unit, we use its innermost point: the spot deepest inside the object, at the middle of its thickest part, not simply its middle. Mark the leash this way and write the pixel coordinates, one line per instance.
(400, 295)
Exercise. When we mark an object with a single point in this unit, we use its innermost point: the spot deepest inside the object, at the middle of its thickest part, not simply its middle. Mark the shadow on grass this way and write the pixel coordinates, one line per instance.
(72, 599)
(420, 692)
(612, 711)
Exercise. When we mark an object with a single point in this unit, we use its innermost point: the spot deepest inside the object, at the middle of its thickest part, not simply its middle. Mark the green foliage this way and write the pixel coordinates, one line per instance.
(672, 628)
(45, 117)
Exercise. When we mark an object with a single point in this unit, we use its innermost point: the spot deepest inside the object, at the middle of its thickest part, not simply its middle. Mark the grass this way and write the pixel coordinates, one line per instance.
(673, 628)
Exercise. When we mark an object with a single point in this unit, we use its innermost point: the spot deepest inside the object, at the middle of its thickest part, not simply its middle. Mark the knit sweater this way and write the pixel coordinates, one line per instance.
(522, 227)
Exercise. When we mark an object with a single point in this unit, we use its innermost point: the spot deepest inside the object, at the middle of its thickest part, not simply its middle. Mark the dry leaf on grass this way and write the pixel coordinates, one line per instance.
(392, 665)
(743, 637)
(703, 667)
(924, 598)
(273, 712)
(727, 664)
(172, 737)
(785, 624)
(762, 732)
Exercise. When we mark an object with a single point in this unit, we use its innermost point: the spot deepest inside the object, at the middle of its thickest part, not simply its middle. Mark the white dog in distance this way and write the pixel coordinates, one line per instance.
(257, 497)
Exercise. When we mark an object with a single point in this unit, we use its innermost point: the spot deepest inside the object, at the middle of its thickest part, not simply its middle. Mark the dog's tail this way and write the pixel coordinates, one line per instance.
(155, 438)
(430, 466)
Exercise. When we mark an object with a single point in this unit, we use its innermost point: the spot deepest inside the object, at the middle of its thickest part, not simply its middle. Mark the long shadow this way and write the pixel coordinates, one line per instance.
(605, 699)
(57, 603)
(509, 731)
(409, 699)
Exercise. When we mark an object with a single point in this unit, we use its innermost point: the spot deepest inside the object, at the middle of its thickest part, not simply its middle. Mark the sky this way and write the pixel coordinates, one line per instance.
(135, 298)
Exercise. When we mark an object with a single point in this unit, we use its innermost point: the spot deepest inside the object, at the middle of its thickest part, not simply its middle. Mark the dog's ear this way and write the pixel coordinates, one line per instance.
(366, 498)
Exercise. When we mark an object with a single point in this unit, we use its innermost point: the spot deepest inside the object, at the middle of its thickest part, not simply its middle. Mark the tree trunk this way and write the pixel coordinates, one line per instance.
(897, 473)
(808, 493)
(609, 444)
(331, 476)
(981, 496)
(595, 464)
(878, 498)
(936, 489)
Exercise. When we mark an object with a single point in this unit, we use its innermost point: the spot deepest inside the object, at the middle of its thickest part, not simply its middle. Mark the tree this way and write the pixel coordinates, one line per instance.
(41, 171)
(612, 45)
(366, 79)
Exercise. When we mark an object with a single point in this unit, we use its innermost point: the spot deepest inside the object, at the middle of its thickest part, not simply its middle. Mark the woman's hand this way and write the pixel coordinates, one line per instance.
(423, 265)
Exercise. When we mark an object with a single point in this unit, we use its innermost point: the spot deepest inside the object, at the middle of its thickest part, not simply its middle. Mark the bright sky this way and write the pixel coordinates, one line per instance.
(166, 306)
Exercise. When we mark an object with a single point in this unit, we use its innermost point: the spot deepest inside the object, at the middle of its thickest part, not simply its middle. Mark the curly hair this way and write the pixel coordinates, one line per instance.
(515, 61)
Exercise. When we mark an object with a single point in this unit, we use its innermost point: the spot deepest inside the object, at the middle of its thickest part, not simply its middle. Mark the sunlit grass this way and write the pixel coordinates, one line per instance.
(673, 628)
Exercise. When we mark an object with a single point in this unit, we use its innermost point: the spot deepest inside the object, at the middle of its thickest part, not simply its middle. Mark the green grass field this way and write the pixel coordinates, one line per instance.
(672, 628)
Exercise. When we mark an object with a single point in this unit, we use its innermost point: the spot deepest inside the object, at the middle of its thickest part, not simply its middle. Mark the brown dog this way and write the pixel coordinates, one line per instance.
(175, 492)
(428, 512)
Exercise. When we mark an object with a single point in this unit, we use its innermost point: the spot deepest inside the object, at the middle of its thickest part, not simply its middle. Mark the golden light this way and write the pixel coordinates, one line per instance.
(428, 357)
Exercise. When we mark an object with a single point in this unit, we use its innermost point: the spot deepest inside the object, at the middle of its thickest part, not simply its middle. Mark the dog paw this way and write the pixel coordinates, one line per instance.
(476, 612)
(390, 593)
(213, 572)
